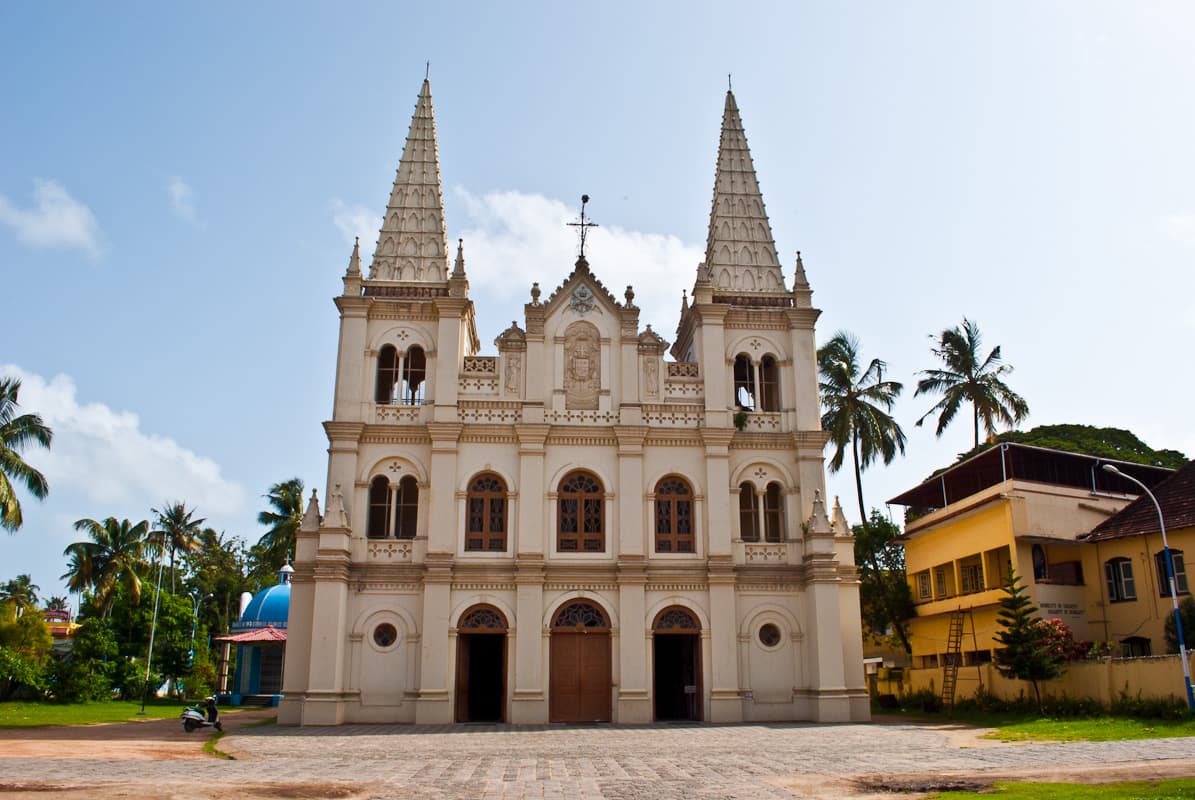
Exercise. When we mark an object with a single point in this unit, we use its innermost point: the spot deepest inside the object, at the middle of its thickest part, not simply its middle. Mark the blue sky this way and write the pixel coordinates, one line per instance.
(181, 183)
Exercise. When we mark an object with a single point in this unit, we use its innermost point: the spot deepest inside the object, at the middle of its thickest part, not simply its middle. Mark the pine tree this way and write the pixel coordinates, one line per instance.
(1026, 654)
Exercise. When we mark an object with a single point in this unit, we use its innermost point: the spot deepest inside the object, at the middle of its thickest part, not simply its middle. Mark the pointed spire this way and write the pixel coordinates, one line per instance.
(740, 253)
(354, 270)
(458, 268)
(802, 294)
(411, 244)
(838, 520)
(311, 517)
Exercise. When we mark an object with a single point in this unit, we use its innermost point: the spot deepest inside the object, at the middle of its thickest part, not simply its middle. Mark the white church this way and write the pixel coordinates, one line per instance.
(588, 525)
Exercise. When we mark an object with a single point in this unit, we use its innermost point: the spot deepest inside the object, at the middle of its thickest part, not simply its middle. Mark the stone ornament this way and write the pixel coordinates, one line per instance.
(582, 366)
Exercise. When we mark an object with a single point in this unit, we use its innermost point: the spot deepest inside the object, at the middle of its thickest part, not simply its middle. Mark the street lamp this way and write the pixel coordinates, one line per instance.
(153, 626)
(1178, 622)
(195, 601)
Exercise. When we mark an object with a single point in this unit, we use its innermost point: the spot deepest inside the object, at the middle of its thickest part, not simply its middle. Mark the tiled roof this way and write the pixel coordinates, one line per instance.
(1176, 496)
(267, 634)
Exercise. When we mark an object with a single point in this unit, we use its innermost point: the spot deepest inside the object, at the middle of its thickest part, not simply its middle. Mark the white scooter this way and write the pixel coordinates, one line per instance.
(193, 717)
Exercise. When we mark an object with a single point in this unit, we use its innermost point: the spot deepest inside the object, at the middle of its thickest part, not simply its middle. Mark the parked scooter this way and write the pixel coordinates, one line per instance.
(205, 716)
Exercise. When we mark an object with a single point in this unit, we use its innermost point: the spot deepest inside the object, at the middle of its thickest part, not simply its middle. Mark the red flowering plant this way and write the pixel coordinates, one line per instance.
(1059, 640)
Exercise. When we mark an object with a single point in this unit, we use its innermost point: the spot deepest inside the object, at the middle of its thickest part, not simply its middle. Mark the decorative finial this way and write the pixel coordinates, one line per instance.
(684, 300)
(535, 293)
(427, 72)
(458, 268)
(729, 87)
(629, 294)
(583, 225)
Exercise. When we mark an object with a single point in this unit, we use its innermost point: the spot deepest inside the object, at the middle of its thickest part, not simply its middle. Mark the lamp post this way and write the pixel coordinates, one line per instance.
(195, 601)
(1178, 622)
(153, 625)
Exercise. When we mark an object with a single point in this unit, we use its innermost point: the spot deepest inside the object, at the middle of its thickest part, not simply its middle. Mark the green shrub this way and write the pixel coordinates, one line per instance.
(21, 677)
(1170, 708)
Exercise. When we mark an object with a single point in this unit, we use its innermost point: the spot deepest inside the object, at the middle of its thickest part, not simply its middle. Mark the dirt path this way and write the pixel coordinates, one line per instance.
(148, 740)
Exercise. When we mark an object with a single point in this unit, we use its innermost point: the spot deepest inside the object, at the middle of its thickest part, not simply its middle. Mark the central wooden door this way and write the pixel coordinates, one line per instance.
(580, 675)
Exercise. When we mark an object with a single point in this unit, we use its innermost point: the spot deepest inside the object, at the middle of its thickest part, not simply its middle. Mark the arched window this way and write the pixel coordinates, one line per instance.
(393, 508)
(674, 516)
(387, 375)
(378, 526)
(773, 513)
(401, 376)
(769, 384)
(406, 508)
(748, 513)
(486, 514)
(744, 383)
(414, 374)
(1180, 572)
(580, 516)
(1118, 574)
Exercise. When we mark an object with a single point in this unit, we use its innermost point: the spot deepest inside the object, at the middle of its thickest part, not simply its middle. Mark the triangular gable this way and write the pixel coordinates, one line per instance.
(581, 276)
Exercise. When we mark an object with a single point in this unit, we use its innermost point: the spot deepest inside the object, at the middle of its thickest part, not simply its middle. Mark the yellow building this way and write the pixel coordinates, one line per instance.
(1011, 506)
(1131, 604)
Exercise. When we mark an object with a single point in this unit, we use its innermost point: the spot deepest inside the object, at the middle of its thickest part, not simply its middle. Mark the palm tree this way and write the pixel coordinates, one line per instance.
(966, 379)
(176, 530)
(286, 498)
(58, 603)
(21, 591)
(113, 557)
(15, 433)
(857, 405)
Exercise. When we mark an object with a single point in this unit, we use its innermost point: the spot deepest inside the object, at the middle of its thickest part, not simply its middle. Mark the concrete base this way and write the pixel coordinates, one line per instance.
(434, 708)
(634, 708)
(529, 708)
(726, 706)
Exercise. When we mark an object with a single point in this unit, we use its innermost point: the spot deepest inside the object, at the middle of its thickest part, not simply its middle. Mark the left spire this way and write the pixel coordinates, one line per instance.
(412, 245)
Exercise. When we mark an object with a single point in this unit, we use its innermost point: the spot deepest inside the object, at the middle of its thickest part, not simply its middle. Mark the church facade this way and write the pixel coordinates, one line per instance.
(589, 525)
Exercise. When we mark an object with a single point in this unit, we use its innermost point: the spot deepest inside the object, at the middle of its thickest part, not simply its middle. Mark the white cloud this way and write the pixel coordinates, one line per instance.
(104, 456)
(353, 221)
(58, 220)
(514, 239)
(1180, 227)
(182, 200)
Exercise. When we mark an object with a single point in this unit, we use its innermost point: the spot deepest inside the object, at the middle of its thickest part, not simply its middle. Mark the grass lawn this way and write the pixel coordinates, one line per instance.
(1181, 789)
(30, 715)
(1095, 729)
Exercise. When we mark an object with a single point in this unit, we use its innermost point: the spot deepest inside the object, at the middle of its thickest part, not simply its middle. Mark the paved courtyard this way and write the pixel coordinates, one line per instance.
(689, 762)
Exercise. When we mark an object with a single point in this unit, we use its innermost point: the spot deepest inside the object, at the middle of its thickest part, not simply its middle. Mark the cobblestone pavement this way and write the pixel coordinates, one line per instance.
(661, 762)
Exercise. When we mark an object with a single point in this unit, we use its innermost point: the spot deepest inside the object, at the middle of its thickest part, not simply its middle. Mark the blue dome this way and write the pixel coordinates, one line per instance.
(268, 607)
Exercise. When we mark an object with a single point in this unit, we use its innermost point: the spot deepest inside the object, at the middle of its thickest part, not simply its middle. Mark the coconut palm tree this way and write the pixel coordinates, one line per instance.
(58, 603)
(176, 531)
(966, 379)
(15, 433)
(286, 500)
(857, 405)
(113, 557)
(21, 591)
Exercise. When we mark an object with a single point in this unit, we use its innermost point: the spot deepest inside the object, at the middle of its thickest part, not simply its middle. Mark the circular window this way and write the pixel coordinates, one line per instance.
(769, 635)
(385, 635)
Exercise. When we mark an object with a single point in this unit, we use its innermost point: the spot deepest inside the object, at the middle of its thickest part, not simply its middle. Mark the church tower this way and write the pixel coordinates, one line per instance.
(576, 528)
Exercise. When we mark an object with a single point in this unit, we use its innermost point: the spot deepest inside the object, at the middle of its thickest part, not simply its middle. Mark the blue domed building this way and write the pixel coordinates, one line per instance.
(260, 639)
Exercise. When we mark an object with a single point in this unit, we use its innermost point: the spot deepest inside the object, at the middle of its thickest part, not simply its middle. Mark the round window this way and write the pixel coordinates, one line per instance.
(769, 635)
(385, 635)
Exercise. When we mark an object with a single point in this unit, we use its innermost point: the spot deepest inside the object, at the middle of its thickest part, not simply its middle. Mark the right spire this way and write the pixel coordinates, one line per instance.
(740, 253)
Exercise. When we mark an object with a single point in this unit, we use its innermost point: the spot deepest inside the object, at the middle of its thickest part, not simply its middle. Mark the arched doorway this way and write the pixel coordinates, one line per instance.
(579, 687)
(481, 665)
(676, 665)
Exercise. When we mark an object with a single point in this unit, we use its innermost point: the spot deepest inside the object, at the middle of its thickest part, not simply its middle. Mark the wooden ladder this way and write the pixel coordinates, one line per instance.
(952, 659)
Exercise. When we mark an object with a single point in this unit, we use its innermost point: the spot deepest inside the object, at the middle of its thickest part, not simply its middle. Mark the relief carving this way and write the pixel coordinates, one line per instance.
(651, 375)
(582, 366)
(514, 363)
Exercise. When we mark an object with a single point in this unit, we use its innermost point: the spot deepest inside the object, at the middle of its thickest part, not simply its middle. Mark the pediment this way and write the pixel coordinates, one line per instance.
(582, 293)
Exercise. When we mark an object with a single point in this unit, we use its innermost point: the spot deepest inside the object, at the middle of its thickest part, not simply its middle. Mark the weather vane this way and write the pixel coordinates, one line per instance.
(582, 225)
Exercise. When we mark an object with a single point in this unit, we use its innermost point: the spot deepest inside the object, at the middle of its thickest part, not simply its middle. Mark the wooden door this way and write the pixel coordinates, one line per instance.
(462, 678)
(579, 689)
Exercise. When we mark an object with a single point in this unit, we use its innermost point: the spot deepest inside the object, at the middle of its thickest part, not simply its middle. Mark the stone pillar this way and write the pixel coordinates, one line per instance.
(634, 699)
(717, 487)
(354, 386)
(435, 698)
(529, 704)
(725, 704)
(326, 684)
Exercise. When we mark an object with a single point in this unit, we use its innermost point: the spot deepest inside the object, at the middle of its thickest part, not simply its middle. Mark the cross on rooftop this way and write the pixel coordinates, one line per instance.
(582, 225)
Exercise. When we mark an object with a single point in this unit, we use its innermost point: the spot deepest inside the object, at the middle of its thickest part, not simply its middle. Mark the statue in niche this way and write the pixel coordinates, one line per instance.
(651, 375)
(514, 362)
(582, 366)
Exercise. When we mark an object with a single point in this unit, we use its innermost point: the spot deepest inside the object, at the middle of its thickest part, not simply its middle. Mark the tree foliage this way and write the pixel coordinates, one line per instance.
(21, 591)
(1089, 440)
(967, 377)
(112, 558)
(1186, 610)
(17, 433)
(1026, 653)
(278, 543)
(885, 600)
